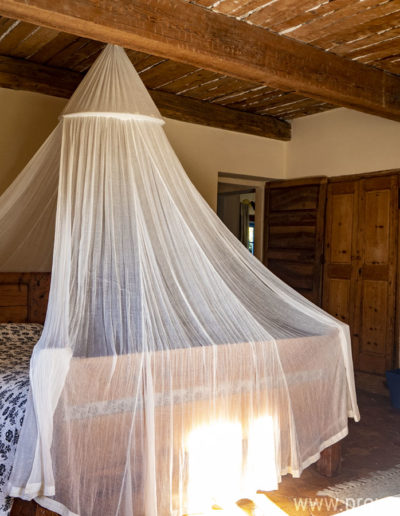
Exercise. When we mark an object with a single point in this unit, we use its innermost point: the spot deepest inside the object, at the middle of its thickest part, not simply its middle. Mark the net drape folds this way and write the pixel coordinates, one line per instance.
(27, 212)
(174, 371)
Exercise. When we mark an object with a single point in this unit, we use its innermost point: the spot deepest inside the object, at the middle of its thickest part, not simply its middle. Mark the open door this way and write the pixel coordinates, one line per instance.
(294, 233)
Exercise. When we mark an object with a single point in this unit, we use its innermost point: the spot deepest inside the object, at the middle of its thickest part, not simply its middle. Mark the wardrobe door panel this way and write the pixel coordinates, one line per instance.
(377, 243)
(377, 213)
(374, 308)
(342, 206)
(339, 304)
(340, 271)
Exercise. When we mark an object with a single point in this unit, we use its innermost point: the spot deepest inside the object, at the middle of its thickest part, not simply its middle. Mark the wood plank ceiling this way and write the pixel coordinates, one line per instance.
(61, 50)
(367, 31)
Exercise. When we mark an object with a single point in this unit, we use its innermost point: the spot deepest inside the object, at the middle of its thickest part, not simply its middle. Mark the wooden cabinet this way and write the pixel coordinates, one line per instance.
(361, 262)
(293, 233)
(352, 224)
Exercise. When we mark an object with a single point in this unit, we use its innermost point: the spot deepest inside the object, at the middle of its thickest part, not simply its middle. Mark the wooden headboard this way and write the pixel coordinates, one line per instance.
(24, 296)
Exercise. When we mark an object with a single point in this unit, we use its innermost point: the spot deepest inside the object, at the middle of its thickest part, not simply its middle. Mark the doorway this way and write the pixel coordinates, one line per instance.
(240, 206)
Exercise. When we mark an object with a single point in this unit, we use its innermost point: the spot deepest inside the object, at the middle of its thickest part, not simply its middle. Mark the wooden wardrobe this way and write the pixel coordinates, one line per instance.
(351, 222)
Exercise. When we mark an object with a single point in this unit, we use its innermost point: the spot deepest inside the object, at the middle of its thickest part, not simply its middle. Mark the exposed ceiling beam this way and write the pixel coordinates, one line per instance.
(205, 113)
(19, 74)
(25, 75)
(192, 34)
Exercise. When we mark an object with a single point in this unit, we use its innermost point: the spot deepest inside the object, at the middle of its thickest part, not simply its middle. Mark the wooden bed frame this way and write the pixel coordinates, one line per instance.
(23, 298)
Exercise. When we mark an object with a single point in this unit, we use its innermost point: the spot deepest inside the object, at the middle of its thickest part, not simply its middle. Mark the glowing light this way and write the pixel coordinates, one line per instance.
(215, 458)
(228, 462)
(260, 470)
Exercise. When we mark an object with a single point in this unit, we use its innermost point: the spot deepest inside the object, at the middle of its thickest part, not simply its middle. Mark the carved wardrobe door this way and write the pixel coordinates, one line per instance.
(376, 273)
(340, 270)
(361, 261)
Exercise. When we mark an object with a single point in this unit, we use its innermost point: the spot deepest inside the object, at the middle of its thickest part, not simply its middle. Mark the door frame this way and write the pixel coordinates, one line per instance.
(259, 186)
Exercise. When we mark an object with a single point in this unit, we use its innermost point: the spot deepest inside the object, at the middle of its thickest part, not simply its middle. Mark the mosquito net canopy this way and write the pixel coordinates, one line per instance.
(174, 371)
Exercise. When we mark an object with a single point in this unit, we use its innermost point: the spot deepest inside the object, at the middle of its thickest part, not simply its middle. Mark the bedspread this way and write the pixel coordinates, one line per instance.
(16, 345)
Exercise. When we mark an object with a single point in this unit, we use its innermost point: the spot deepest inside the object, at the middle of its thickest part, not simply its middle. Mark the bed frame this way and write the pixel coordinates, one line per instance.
(23, 298)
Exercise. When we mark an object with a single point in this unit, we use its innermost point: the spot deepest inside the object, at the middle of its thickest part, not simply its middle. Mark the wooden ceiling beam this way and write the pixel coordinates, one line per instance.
(25, 75)
(189, 33)
(18, 74)
(214, 115)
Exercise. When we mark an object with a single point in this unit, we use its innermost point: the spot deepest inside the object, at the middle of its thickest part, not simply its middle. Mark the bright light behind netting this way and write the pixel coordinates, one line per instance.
(171, 357)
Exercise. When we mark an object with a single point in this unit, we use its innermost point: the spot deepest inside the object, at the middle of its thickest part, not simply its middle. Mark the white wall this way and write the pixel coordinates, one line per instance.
(342, 141)
(27, 118)
(205, 151)
(336, 142)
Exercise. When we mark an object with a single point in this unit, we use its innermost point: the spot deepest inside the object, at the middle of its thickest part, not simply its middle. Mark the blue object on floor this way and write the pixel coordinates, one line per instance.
(393, 381)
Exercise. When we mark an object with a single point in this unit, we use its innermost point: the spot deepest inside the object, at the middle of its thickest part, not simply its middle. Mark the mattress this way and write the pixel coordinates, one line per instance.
(16, 345)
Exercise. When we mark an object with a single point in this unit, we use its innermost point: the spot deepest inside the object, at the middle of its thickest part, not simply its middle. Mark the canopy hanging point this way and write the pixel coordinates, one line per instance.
(174, 370)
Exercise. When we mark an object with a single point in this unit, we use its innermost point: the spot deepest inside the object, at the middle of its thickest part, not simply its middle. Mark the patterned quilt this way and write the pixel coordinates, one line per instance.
(16, 345)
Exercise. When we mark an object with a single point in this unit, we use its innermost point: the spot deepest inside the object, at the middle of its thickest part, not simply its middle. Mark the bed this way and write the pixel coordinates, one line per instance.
(23, 302)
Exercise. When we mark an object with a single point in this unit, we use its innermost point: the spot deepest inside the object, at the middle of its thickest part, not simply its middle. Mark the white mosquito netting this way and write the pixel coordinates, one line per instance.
(174, 371)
